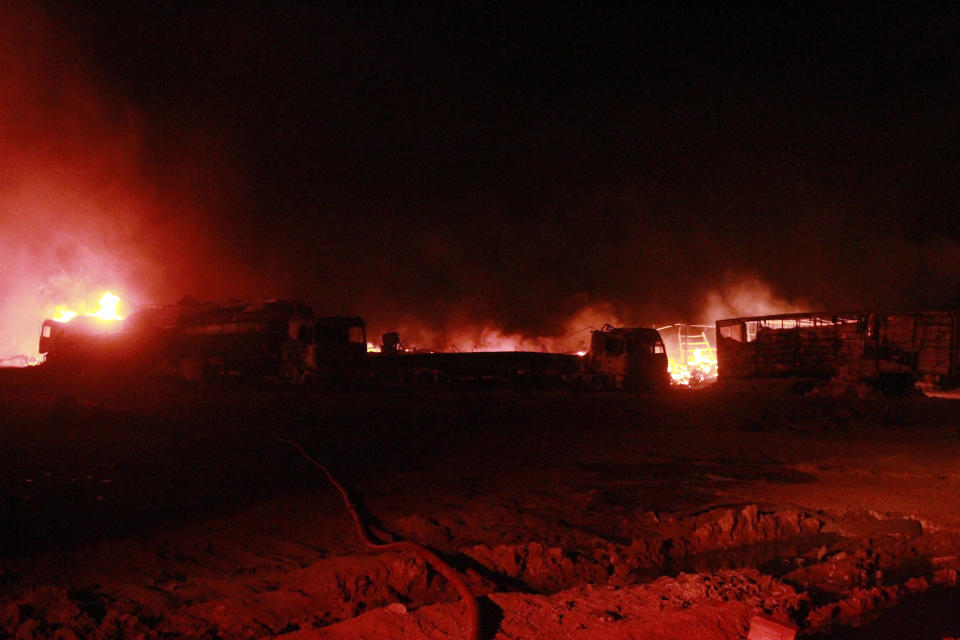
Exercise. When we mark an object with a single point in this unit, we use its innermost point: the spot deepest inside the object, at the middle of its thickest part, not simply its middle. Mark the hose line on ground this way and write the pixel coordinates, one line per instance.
(428, 556)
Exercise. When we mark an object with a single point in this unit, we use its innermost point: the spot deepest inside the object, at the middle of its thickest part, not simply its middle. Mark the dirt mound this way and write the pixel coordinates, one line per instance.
(706, 607)
(548, 569)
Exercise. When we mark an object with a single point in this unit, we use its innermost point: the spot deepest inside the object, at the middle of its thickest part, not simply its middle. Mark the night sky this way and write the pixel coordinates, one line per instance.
(468, 163)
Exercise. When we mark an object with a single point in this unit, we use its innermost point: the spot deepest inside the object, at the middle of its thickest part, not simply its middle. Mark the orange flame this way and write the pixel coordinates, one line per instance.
(109, 304)
(693, 360)
(65, 316)
(702, 367)
(108, 307)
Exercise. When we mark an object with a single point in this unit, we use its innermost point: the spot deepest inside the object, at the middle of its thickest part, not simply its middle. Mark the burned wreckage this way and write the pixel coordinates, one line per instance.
(283, 340)
(631, 358)
(889, 350)
(277, 339)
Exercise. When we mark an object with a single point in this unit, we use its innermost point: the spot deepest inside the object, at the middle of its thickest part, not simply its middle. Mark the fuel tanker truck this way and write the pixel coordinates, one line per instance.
(630, 358)
(267, 339)
(283, 340)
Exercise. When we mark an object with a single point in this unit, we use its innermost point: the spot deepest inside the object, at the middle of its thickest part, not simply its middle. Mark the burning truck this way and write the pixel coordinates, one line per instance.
(277, 339)
(631, 358)
(283, 340)
(622, 357)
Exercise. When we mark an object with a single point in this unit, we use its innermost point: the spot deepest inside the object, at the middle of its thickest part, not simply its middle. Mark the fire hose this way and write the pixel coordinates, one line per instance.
(441, 566)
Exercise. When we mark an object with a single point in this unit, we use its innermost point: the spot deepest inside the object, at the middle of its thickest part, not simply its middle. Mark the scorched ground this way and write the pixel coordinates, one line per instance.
(171, 510)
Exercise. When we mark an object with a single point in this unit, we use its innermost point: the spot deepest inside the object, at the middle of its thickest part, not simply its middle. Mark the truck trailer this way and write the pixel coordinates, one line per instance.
(279, 339)
(891, 350)
(631, 358)
(283, 340)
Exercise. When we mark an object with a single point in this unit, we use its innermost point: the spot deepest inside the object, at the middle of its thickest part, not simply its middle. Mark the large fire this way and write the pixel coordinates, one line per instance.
(693, 358)
(108, 310)
(466, 335)
(699, 369)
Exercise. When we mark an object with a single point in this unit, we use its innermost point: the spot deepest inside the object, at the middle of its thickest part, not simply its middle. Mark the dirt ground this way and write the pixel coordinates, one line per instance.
(156, 510)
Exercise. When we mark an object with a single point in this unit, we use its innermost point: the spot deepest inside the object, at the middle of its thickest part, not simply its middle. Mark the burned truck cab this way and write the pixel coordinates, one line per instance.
(325, 349)
(632, 358)
(50, 333)
(84, 343)
(341, 340)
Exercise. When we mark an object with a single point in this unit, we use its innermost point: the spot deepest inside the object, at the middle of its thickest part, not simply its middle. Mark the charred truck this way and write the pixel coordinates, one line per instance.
(270, 339)
(626, 358)
(283, 340)
(619, 358)
(889, 350)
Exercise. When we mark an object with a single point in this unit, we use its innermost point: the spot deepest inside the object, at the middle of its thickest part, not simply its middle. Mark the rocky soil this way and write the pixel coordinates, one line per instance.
(154, 510)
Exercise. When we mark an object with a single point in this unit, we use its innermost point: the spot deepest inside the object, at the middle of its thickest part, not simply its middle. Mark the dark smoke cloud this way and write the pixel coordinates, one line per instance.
(460, 169)
(80, 207)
